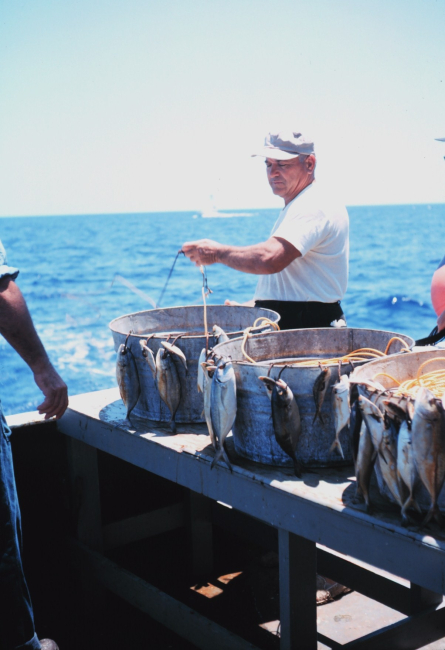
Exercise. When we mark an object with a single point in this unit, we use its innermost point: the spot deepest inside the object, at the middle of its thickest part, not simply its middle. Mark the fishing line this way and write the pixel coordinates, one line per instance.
(205, 292)
(169, 276)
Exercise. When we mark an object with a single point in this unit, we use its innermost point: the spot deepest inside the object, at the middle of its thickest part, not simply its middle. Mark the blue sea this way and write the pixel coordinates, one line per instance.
(77, 273)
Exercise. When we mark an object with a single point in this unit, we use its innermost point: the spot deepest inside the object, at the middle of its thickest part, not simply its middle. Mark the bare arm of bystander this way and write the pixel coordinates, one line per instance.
(18, 329)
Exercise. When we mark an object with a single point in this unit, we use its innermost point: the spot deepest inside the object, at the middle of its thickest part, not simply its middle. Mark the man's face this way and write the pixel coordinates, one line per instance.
(288, 178)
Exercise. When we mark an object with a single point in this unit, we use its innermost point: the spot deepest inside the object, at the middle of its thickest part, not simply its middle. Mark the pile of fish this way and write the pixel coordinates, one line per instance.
(216, 381)
(405, 436)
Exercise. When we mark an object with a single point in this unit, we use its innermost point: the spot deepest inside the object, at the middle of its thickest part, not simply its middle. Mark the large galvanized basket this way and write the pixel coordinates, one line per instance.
(158, 324)
(253, 433)
(402, 368)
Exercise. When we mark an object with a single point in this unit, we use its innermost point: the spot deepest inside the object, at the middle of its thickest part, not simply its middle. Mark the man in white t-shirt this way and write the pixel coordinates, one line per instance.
(303, 266)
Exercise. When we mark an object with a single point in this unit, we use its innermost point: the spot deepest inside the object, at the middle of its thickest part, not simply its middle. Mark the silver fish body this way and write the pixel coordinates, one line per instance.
(127, 378)
(387, 460)
(285, 418)
(149, 357)
(208, 372)
(342, 410)
(319, 391)
(173, 349)
(364, 463)
(428, 440)
(222, 406)
(201, 378)
(406, 468)
(219, 334)
(168, 383)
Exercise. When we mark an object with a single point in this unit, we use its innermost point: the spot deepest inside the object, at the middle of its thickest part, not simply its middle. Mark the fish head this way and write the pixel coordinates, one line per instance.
(368, 408)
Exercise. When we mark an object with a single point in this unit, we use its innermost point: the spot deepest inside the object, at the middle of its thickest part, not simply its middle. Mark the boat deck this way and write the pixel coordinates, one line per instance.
(230, 559)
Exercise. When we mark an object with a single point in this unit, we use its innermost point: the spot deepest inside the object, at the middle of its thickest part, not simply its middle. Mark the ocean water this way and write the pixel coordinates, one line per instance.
(77, 273)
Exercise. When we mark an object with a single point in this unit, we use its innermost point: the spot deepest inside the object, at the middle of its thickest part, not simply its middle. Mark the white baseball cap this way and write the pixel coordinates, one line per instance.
(286, 145)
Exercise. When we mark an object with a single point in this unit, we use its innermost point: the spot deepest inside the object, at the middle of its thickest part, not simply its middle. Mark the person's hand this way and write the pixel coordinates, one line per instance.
(202, 252)
(231, 303)
(55, 391)
(441, 322)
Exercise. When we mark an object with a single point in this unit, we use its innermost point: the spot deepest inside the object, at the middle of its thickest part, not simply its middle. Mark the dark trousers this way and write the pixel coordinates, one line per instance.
(300, 315)
(16, 614)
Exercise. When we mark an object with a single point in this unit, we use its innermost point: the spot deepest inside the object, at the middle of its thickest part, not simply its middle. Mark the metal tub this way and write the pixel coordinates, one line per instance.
(402, 367)
(190, 321)
(253, 430)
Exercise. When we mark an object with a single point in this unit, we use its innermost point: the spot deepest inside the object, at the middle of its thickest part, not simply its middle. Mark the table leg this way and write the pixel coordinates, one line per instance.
(298, 592)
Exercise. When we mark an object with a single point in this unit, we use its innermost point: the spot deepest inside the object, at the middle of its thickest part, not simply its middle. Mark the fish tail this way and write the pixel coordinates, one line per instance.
(337, 445)
(221, 453)
(433, 513)
(173, 425)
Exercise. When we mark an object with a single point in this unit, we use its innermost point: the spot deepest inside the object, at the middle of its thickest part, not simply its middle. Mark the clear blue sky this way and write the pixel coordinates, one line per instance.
(148, 105)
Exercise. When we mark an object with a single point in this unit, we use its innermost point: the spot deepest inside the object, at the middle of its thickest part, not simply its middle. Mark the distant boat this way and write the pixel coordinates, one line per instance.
(211, 212)
(440, 139)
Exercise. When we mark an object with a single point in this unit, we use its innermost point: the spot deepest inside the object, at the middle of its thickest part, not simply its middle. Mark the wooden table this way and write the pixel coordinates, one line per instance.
(318, 526)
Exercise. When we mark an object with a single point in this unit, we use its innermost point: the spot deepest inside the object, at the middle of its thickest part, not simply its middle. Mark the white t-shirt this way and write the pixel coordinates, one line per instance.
(319, 228)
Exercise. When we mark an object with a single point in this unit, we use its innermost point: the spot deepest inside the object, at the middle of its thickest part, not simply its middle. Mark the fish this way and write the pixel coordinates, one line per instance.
(168, 383)
(127, 378)
(219, 334)
(364, 464)
(342, 411)
(428, 441)
(173, 349)
(373, 418)
(387, 460)
(149, 357)
(285, 417)
(319, 390)
(222, 407)
(208, 370)
(201, 378)
(406, 468)
(355, 423)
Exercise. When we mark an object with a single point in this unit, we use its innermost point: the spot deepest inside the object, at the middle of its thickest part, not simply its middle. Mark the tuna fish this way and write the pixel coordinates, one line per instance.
(222, 406)
(127, 378)
(319, 390)
(168, 383)
(201, 378)
(342, 410)
(285, 418)
(428, 440)
(387, 460)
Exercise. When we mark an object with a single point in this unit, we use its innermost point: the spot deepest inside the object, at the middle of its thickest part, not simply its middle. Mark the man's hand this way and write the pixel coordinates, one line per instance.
(202, 252)
(55, 391)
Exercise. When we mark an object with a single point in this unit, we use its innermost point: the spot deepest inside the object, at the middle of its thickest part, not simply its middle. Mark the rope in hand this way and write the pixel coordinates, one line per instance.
(169, 276)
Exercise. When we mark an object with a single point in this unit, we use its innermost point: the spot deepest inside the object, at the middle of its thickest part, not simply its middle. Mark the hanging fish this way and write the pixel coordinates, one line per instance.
(208, 370)
(173, 349)
(387, 460)
(364, 464)
(222, 406)
(428, 440)
(355, 423)
(219, 334)
(342, 411)
(319, 390)
(201, 377)
(285, 418)
(406, 468)
(127, 378)
(168, 383)
(149, 357)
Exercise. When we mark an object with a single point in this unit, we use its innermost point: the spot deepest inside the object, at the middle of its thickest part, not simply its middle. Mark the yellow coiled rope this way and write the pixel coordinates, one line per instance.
(259, 322)
(362, 354)
(434, 381)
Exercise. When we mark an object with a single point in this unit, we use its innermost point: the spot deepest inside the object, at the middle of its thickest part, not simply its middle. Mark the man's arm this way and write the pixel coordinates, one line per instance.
(18, 329)
(265, 258)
